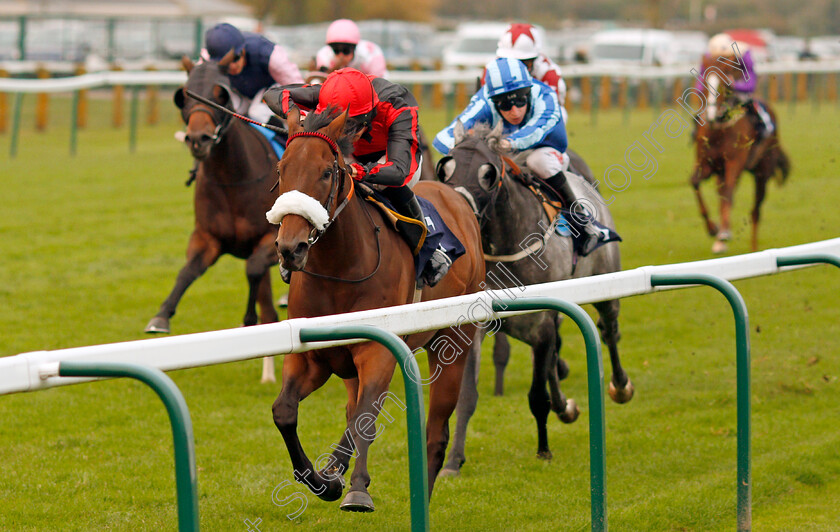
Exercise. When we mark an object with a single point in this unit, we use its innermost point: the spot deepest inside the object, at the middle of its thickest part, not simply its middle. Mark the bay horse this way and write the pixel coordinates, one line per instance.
(344, 258)
(510, 214)
(233, 180)
(727, 143)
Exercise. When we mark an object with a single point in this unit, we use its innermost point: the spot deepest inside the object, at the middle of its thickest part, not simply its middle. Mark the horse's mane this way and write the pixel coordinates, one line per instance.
(482, 130)
(315, 121)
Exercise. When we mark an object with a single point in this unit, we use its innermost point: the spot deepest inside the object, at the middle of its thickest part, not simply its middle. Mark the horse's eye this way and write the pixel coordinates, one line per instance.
(327, 174)
(487, 176)
(445, 169)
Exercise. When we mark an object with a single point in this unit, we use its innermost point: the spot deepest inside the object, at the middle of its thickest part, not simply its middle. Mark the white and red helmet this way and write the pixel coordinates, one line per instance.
(343, 30)
(520, 41)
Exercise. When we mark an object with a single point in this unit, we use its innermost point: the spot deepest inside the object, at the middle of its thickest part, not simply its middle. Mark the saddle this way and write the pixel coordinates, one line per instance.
(565, 224)
(422, 239)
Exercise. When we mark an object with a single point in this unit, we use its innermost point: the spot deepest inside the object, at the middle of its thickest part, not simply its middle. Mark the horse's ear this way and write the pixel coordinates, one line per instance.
(187, 63)
(497, 130)
(336, 127)
(179, 98)
(293, 120)
(459, 133)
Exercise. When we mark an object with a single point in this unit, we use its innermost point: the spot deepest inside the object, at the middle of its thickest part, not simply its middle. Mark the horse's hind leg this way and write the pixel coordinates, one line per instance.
(761, 178)
(267, 315)
(447, 357)
(467, 401)
(501, 357)
(202, 252)
(621, 389)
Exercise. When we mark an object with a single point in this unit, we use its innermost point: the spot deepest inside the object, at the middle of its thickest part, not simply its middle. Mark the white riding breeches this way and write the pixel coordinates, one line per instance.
(547, 162)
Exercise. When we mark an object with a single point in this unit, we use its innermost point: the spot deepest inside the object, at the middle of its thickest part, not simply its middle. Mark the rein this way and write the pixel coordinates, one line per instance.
(339, 174)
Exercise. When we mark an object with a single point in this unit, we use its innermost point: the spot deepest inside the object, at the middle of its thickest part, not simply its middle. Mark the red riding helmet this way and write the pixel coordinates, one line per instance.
(350, 89)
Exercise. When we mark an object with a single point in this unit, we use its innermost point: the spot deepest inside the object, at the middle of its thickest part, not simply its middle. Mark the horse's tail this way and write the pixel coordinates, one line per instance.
(782, 165)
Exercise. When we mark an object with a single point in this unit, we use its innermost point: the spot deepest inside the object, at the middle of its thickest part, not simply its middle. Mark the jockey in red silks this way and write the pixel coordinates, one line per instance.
(258, 64)
(346, 48)
(387, 155)
(723, 45)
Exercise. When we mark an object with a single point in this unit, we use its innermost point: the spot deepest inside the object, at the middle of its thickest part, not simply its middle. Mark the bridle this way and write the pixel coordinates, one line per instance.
(222, 122)
(337, 177)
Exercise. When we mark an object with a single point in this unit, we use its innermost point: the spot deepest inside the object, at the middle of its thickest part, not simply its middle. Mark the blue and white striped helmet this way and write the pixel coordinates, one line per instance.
(505, 74)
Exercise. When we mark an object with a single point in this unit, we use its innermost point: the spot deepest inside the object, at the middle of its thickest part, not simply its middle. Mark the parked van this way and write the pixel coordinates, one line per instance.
(474, 45)
(643, 47)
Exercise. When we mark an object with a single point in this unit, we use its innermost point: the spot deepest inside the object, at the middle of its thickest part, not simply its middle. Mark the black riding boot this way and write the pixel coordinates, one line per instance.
(407, 205)
(280, 138)
(581, 218)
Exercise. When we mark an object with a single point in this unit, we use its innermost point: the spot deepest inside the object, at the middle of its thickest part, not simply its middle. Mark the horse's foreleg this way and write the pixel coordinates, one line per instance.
(467, 401)
(501, 357)
(447, 358)
(701, 173)
(202, 252)
(544, 363)
(726, 192)
(621, 388)
(258, 272)
(300, 378)
(375, 369)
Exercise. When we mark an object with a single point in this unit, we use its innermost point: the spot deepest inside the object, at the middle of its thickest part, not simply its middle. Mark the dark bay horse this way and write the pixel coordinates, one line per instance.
(510, 215)
(344, 258)
(727, 143)
(233, 180)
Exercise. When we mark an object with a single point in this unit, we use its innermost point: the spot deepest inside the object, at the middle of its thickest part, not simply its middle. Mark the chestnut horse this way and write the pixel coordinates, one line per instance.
(344, 258)
(727, 144)
(233, 179)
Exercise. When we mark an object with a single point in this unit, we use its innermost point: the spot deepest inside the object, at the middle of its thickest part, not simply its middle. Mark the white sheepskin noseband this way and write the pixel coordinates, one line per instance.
(296, 202)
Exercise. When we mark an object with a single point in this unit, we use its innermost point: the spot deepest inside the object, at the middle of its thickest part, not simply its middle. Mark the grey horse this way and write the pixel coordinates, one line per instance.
(510, 214)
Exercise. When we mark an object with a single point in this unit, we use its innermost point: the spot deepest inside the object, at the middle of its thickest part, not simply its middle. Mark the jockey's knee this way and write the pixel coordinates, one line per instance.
(546, 162)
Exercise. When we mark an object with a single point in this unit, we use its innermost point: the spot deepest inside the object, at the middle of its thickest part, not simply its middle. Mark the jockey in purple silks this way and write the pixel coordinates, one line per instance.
(721, 45)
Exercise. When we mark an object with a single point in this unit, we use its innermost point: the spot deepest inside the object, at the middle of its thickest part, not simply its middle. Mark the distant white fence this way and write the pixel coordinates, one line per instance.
(37, 370)
(406, 77)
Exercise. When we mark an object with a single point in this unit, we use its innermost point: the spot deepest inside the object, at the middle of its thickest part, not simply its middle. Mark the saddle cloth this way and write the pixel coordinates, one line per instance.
(272, 139)
(438, 233)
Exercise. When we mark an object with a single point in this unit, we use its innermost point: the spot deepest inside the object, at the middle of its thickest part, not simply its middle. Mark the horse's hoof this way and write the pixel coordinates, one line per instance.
(712, 229)
(335, 487)
(448, 472)
(268, 379)
(562, 369)
(719, 247)
(158, 325)
(572, 412)
(545, 455)
(357, 501)
(283, 301)
(622, 395)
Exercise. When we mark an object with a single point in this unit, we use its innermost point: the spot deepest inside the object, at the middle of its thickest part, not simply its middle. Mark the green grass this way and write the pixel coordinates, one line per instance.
(91, 245)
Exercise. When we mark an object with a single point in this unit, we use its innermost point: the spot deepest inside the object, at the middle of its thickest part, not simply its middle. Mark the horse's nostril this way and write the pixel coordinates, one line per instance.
(301, 248)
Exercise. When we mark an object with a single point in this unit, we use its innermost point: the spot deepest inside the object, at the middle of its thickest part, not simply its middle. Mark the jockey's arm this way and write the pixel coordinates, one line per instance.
(402, 155)
(280, 99)
(282, 69)
(478, 110)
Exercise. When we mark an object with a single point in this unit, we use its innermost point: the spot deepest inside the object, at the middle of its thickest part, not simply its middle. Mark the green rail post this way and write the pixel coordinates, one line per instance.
(179, 418)
(742, 339)
(13, 143)
(74, 118)
(814, 258)
(417, 464)
(595, 376)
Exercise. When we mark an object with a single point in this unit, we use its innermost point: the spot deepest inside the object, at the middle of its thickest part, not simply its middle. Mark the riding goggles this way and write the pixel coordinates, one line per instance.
(340, 48)
(509, 100)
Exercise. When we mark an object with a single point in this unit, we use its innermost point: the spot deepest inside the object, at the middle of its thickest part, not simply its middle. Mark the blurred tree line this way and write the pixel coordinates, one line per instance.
(803, 17)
